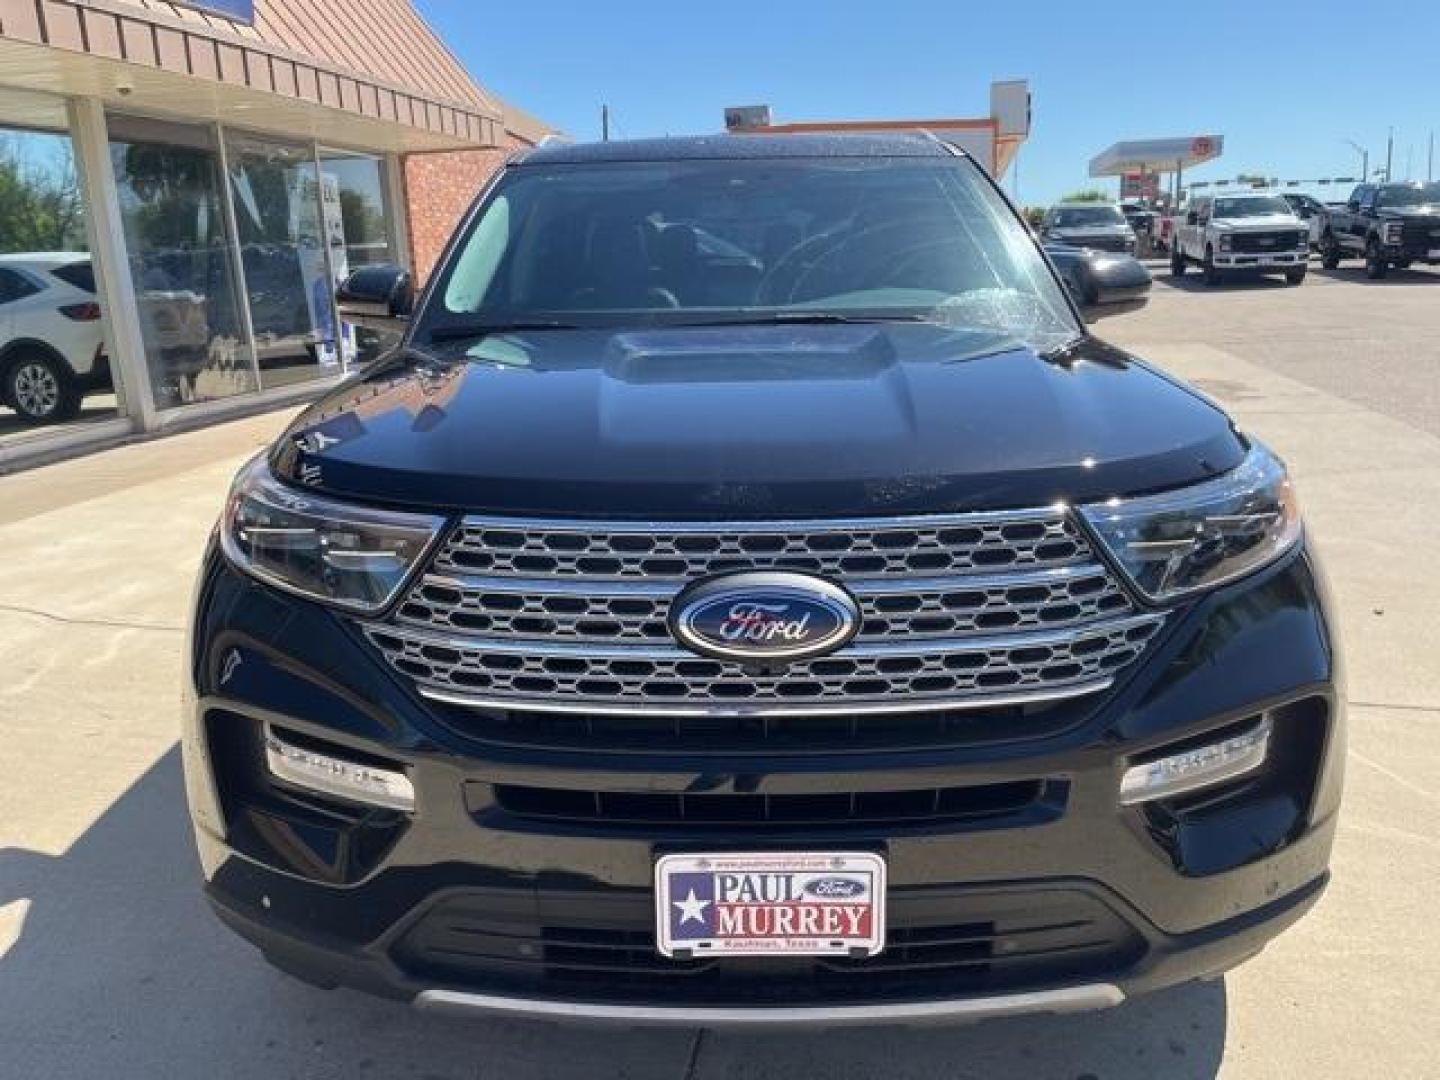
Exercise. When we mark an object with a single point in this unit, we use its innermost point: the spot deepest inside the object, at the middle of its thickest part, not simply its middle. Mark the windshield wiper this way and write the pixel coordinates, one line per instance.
(466, 331)
(803, 318)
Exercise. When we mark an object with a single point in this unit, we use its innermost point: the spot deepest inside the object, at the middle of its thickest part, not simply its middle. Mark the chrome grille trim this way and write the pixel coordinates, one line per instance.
(958, 611)
(888, 708)
(636, 611)
(588, 651)
(838, 549)
(542, 676)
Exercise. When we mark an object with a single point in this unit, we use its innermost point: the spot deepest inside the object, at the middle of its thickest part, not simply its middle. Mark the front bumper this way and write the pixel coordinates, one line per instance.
(1055, 902)
(1284, 260)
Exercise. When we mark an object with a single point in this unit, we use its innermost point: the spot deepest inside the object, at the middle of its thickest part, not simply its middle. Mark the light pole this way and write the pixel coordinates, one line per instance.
(1364, 159)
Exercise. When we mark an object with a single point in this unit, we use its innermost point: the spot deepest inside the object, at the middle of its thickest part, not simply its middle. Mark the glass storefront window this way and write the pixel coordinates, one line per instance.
(357, 215)
(280, 222)
(168, 182)
(54, 364)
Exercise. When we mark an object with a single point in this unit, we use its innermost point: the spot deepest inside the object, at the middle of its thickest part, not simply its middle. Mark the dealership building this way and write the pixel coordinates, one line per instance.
(182, 185)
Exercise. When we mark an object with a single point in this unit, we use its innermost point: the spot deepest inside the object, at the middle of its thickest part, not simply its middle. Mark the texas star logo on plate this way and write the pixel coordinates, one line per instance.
(756, 904)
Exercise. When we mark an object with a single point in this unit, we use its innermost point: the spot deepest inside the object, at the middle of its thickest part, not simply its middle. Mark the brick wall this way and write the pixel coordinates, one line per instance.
(439, 189)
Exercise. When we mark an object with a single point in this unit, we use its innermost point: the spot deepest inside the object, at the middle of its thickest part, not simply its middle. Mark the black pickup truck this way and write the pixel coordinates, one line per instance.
(1387, 225)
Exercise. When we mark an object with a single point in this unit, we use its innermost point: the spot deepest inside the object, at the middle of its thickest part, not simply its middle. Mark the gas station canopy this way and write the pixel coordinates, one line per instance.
(1157, 155)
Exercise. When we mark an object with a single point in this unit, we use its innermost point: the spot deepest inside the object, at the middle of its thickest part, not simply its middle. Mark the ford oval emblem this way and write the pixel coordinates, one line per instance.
(764, 617)
(835, 888)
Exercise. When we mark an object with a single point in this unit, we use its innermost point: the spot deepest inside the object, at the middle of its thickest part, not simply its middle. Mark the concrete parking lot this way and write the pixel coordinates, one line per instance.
(111, 966)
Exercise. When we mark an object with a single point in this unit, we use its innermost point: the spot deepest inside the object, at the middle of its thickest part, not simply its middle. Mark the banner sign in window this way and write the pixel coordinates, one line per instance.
(237, 10)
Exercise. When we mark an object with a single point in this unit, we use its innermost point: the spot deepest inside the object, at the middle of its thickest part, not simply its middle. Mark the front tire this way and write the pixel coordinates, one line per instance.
(1329, 252)
(1177, 262)
(1211, 271)
(1375, 265)
(1295, 277)
(40, 389)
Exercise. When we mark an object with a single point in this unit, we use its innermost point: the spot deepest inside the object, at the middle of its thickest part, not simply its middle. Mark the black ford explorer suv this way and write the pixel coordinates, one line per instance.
(750, 596)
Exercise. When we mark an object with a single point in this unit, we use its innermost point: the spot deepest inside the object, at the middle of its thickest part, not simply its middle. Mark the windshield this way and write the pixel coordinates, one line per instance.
(1071, 217)
(1410, 195)
(1251, 206)
(623, 245)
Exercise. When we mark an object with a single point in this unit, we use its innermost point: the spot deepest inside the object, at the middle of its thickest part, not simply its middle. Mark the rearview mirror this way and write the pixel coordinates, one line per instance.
(376, 297)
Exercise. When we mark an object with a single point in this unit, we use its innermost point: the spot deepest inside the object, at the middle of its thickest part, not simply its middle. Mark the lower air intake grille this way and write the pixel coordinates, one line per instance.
(600, 946)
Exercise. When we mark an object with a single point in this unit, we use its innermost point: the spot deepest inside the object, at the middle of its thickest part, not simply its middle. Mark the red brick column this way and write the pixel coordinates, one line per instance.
(439, 188)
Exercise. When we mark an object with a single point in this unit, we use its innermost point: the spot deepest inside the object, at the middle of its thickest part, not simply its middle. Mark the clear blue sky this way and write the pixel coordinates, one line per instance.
(1284, 81)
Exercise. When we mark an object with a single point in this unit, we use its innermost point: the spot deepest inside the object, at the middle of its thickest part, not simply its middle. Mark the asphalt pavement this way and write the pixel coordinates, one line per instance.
(110, 965)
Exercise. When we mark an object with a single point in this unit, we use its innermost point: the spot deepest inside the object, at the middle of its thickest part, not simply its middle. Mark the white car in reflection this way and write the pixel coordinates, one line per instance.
(52, 349)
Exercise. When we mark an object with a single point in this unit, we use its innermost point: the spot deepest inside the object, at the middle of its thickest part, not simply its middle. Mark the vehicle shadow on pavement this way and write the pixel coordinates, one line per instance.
(119, 970)
(1193, 282)
(1396, 276)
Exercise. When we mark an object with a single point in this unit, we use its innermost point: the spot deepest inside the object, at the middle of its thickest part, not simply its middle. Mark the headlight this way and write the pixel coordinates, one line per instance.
(1202, 536)
(1225, 241)
(1394, 232)
(351, 556)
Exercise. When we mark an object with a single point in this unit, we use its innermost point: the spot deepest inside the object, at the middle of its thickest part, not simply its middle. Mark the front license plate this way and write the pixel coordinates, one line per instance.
(807, 904)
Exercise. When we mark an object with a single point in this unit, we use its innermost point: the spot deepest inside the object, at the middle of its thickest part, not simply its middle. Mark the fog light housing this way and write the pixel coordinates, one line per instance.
(327, 774)
(1201, 767)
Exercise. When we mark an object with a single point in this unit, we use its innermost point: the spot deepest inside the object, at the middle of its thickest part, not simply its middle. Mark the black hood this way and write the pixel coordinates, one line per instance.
(1425, 211)
(755, 422)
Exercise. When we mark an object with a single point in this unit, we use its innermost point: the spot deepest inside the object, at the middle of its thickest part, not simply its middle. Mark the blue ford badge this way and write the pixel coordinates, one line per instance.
(835, 888)
(764, 616)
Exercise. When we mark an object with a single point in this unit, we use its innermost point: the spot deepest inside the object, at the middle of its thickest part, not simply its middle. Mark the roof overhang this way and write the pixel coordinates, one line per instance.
(1157, 155)
(157, 65)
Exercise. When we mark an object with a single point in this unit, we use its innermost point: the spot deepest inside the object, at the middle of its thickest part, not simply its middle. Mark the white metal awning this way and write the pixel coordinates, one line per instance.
(1157, 155)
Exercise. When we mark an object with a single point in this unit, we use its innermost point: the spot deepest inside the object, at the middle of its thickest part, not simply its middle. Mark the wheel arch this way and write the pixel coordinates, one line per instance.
(19, 347)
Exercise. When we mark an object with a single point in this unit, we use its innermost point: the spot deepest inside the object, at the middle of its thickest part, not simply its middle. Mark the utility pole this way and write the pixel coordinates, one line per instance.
(604, 123)
(1389, 155)
(1430, 161)
(1364, 159)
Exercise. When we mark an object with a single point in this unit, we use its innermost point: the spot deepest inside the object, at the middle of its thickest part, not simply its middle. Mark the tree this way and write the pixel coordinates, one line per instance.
(41, 208)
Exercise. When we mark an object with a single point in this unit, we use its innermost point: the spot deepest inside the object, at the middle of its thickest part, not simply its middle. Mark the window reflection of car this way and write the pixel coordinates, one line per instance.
(52, 351)
(1092, 225)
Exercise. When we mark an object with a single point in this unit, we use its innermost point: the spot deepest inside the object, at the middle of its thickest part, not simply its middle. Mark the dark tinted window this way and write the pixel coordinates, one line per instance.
(1070, 217)
(1409, 195)
(80, 274)
(625, 244)
(15, 286)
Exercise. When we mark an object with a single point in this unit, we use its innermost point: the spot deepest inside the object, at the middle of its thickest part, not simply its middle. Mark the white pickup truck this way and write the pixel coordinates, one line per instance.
(1257, 234)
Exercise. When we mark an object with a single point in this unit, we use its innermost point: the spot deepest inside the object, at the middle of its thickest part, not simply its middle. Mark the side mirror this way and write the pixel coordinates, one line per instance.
(1353, 204)
(376, 297)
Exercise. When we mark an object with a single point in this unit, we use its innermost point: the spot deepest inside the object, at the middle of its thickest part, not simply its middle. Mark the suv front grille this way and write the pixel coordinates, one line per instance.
(1264, 242)
(978, 609)
(502, 547)
(1421, 235)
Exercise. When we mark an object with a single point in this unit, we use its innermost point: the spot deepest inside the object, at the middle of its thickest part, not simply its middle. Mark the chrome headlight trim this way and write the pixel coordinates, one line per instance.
(1195, 539)
(349, 556)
